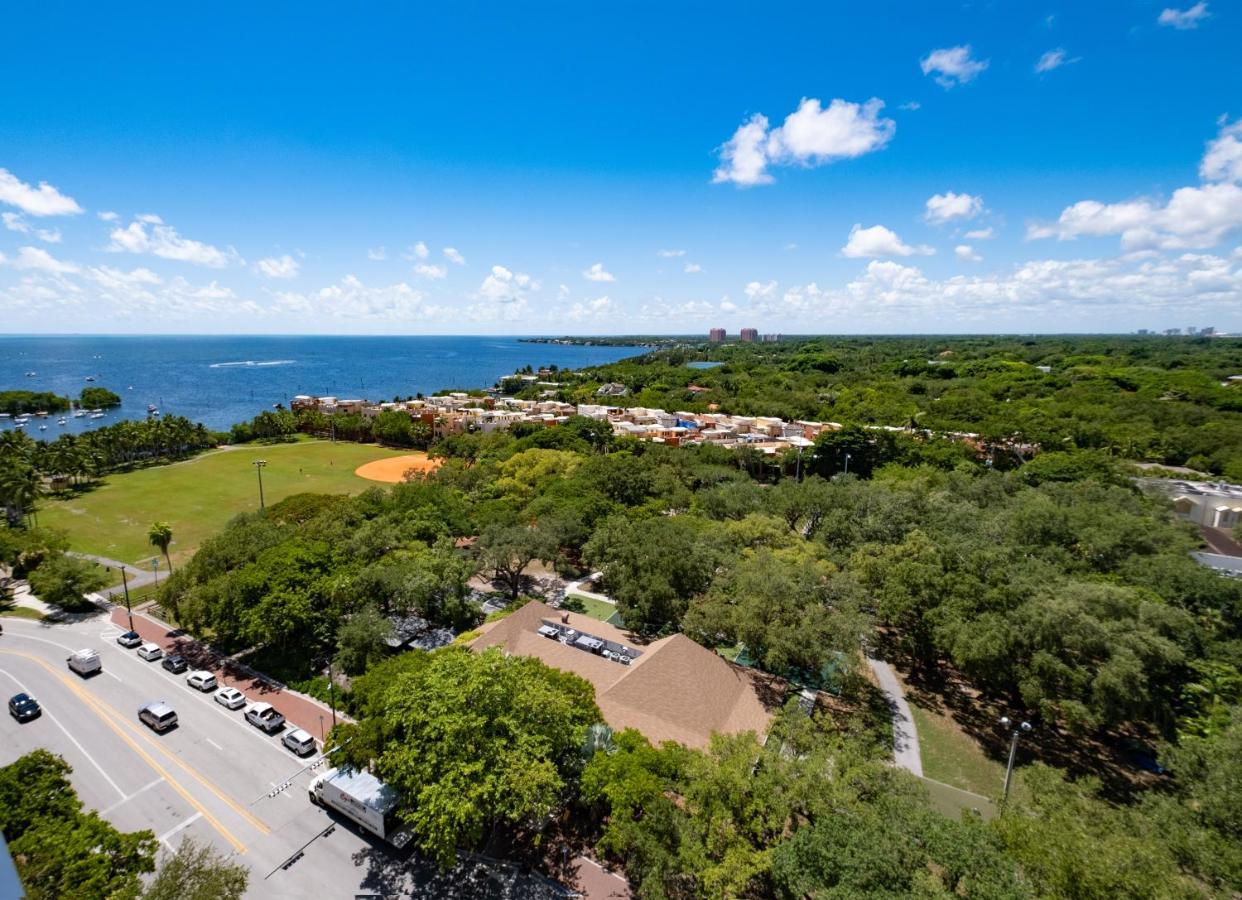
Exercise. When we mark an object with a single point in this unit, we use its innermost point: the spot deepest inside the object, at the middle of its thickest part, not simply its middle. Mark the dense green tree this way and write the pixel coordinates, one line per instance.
(197, 871)
(64, 581)
(59, 850)
(362, 640)
(471, 741)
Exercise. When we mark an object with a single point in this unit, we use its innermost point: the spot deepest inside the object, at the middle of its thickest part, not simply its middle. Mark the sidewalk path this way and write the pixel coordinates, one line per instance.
(575, 587)
(137, 577)
(300, 710)
(905, 738)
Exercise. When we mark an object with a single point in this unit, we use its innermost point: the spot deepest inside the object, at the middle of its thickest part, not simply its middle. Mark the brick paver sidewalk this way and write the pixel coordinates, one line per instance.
(298, 709)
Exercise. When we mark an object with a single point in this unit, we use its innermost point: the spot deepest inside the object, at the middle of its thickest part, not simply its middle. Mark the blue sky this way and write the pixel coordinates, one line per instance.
(652, 168)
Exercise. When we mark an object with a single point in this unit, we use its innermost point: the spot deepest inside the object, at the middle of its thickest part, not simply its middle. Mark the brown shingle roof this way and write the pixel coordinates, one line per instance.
(675, 690)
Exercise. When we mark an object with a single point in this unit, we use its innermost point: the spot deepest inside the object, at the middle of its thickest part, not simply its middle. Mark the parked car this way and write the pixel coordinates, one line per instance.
(150, 652)
(24, 707)
(299, 741)
(175, 663)
(85, 662)
(263, 715)
(230, 698)
(129, 639)
(201, 680)
(157, 715)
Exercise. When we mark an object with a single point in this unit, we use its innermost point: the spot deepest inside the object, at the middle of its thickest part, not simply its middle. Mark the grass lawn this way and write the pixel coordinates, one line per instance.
(955, 758)
(596, 609)
(22, 612)
(199, 496)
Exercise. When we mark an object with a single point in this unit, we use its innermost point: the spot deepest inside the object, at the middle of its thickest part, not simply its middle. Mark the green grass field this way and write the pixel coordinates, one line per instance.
(596, 609)
(199, 496)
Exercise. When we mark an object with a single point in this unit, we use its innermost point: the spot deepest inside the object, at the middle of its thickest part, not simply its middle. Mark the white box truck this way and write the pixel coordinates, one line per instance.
(85, 662)
(363, 799)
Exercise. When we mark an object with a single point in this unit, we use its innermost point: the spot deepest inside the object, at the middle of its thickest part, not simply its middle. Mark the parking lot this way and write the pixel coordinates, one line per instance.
(212, 776)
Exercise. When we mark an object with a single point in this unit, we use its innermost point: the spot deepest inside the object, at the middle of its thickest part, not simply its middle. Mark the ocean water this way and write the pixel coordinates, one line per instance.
(222, 380)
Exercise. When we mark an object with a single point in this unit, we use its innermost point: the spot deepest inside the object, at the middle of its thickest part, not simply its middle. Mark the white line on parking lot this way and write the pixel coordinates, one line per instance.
(214, 744)
(124, 800)
(56, 721)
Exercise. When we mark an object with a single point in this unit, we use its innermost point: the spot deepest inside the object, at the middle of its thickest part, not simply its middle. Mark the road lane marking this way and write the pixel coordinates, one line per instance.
(31, 637)
(102, 709)
(214, 744)
(163, 838)
(124, 800)
(58, 724)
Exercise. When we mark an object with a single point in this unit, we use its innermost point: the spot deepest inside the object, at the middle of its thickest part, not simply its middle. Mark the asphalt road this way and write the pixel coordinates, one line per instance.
(212, 777)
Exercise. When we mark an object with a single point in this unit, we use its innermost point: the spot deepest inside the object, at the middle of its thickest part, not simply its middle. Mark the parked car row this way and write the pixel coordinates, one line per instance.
(159, 716)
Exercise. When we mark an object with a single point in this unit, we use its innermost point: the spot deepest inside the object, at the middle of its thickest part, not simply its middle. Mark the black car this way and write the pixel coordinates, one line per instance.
(24, 707)
(175, 663)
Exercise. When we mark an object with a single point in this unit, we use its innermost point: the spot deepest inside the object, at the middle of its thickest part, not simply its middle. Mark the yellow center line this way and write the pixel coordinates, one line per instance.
(106, 712)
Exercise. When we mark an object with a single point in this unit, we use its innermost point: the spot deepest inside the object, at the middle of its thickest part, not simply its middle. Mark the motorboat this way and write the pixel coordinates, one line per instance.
(43, 428)
(97, 415)
(152, 408)
(61, 421)
(79, 414)
(90, 377)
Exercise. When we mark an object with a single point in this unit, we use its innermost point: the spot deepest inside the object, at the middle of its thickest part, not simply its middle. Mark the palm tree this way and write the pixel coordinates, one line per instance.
(160, 535)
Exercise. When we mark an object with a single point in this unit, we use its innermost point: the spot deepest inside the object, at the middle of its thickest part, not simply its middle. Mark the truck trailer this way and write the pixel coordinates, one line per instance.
(363, 799)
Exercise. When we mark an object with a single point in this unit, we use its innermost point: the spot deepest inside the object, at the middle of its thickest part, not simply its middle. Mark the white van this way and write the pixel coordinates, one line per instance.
(85, 663)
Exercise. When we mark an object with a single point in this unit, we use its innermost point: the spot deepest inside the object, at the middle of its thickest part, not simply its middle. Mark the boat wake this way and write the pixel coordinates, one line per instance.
(253, 362)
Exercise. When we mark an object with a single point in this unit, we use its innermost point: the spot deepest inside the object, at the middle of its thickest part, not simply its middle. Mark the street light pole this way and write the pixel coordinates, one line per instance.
(128, 609)
(847, 464)
(332, 691)
(1019, 729)
(258, 467)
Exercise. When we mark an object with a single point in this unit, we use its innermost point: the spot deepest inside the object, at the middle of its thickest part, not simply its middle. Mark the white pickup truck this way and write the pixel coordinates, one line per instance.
(362, 798)
(265, 716)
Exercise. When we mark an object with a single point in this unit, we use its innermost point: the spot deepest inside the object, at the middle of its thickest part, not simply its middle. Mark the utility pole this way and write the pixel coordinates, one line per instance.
(128, 609)
(1019, 729)
(258, 467)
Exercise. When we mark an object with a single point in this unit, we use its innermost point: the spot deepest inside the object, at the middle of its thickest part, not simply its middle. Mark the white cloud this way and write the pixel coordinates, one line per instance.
(670, 254)
(948, 206)
(599, 308)
(451, 254)
(966, 253)
(278, 266)
(38, 259)
(1223, 160)
(1193, 218)
(910, 106)
(433, 272)
(377, 254)
(889, 293)
(505, 286)
(163, 241)
(16, 222)
(597, 272)
(692, 268)
(879, 241)
(418, 251)
(981, 234)
(1183, 19)
(727, 305)
(952, 66)
(44, 200)
(757, 290)
(351, 298)
(810, 136)
(108, 277)
(107, 216)
(1054, 59)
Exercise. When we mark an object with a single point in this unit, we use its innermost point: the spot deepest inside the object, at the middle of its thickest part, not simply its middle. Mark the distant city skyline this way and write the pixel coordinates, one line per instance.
(550, 170)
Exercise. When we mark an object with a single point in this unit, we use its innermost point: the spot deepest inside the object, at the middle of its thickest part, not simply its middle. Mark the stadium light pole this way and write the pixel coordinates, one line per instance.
(258, 467)
(1018, 729)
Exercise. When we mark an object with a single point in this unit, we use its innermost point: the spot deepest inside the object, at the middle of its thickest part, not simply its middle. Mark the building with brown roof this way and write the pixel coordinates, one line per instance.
(670, 690)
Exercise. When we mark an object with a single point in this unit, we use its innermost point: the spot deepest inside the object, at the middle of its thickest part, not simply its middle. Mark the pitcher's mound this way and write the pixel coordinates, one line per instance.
(393, 469)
